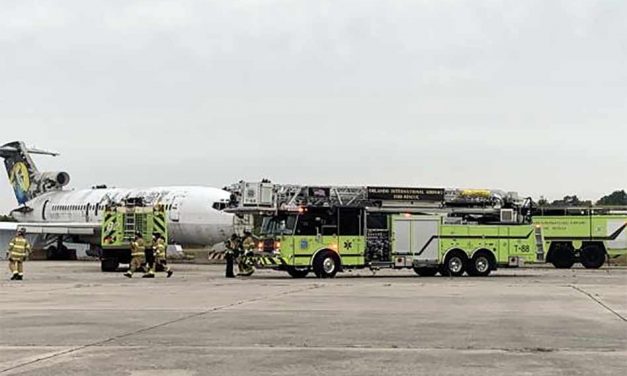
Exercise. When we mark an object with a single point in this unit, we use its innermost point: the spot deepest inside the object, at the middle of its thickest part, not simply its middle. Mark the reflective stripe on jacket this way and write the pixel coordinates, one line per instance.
(137, 248)
(19, 247)
(159, 248)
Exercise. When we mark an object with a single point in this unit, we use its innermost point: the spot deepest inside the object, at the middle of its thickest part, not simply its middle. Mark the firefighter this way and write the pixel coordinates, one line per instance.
(159, 248)
(137, 255)
(149, 256)
(19, 248)
(245, 263)
(232, 251)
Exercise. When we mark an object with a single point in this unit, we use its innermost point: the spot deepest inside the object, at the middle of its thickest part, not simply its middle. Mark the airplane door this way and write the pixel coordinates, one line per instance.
(175, 209)
(43, 210)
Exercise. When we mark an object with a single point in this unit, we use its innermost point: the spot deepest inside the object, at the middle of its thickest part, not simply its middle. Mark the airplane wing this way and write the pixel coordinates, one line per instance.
(70, 228)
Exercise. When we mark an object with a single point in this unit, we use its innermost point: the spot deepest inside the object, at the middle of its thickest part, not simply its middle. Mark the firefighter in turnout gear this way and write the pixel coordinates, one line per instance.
(149, 254)
(19, 248)
(246, 262)
(159, 248)
(232, 251)
(138, 248)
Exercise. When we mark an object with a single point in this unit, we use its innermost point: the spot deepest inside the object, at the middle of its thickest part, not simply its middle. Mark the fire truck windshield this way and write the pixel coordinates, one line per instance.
(278, 225)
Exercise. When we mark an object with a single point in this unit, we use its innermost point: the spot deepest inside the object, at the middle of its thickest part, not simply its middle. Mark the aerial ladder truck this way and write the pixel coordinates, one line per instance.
(329, 229)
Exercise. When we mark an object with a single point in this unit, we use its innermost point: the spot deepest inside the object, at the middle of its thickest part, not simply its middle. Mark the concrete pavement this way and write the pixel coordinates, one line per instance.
(68, 318)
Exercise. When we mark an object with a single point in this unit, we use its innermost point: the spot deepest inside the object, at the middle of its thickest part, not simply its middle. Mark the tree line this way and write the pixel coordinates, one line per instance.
(6, 218)
(616, 198)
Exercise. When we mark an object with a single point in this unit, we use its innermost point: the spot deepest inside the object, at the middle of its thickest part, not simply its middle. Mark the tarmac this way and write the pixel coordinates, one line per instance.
(68, 318)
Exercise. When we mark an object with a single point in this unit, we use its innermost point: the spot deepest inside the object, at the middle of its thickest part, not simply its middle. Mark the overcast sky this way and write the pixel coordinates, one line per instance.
(520, 95)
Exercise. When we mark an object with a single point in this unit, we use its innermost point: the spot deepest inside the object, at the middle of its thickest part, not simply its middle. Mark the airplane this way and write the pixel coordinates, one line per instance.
(56, 214)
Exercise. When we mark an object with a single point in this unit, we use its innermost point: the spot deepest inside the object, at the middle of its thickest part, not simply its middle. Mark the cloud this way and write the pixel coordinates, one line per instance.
(524, 96)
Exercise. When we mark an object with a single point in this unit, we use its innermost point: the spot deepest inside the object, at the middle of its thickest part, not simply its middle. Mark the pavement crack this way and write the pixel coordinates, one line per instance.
(599, 302)
(157, 326)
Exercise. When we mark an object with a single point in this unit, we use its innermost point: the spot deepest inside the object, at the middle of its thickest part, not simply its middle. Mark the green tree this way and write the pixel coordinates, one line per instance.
(571, 201)
(6, 218)
(616, 198)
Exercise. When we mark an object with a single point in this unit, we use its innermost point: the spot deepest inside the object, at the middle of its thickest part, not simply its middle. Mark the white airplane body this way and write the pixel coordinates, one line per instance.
(194, 213)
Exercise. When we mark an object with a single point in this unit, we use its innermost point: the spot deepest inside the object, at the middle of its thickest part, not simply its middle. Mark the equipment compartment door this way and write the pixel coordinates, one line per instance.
(401, 241)
(425, 244)
(416, 237)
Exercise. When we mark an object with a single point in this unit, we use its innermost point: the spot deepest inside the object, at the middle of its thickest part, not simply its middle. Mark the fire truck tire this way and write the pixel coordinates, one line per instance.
(481, 264)
(109, 264)
(454, 264)
(297, 272)
(592, 256)
(426, 272)
(326, 264)
(562, 256)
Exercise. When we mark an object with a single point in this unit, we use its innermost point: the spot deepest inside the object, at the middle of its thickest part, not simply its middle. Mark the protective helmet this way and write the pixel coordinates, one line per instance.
(21, 231)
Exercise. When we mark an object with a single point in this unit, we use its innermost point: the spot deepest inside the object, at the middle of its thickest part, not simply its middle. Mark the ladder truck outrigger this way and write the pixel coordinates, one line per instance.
(326, 230)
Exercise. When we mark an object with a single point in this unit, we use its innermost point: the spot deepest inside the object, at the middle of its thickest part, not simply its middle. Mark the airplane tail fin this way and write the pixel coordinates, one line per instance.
(24, 176)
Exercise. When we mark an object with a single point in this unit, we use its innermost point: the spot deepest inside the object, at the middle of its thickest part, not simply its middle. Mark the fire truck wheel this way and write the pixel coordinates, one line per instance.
(326, 264)
(562, 256)
(297, 272)
(426, 272)
(454, 264)
(480, 265)
(592, 256)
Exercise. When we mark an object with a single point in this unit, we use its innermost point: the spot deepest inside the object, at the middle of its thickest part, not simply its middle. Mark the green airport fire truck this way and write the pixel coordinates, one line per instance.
(586, 235)
(120, 224)
(326, 230)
